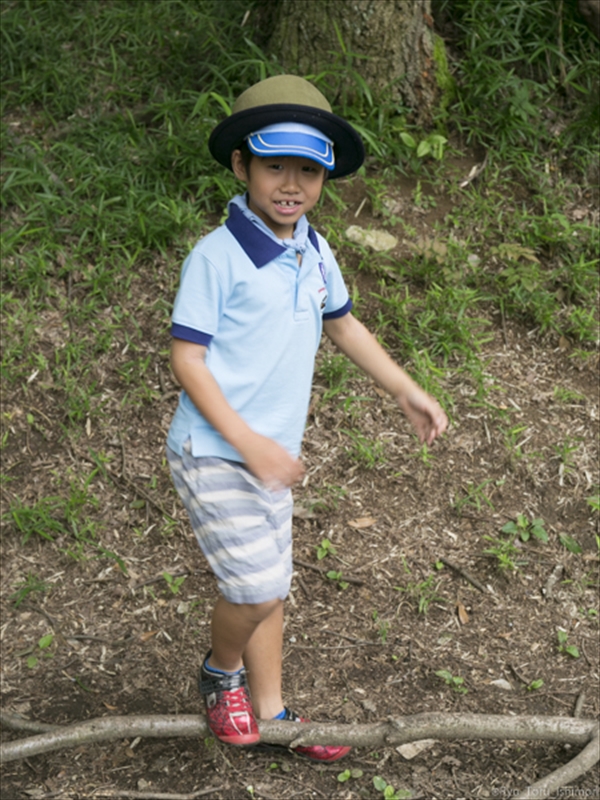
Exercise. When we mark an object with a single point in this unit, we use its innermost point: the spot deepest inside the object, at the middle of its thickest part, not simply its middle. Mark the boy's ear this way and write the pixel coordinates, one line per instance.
(237, 165)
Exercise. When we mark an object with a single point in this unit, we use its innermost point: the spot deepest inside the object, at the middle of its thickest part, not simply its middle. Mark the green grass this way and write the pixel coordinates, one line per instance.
(527, 79)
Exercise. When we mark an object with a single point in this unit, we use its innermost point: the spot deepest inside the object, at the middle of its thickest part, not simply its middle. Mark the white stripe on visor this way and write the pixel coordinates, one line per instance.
(292, 139)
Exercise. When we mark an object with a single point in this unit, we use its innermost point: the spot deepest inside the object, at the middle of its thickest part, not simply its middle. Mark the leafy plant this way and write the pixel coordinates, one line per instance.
(570, 543)
(423, 593)
(174, 583)
(335, 575)
(388, 792)
(456, 683)
(326, 548)
(505, 553)
(534, 685)
(349, 773)
(40, 650)
(564, 646)
(431, 145)
(525, 529)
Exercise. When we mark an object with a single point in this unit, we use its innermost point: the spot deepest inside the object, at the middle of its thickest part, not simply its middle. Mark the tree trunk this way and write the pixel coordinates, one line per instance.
(388, 43)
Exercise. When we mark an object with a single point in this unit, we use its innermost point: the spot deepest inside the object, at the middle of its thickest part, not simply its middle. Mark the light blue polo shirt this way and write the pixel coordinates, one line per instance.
(243, 295)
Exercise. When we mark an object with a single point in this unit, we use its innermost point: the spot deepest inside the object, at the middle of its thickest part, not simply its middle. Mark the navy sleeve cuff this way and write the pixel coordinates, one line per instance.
(341, 312)
(190, 334)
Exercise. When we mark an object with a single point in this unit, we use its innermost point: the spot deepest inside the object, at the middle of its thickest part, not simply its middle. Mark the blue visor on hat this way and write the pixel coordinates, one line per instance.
(292, 139)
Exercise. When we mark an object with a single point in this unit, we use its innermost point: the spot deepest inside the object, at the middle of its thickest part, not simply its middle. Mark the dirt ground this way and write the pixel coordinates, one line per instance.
(131, 644)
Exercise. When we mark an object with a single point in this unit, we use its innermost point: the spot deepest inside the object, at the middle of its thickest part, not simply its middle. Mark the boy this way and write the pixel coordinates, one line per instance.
(254, 297)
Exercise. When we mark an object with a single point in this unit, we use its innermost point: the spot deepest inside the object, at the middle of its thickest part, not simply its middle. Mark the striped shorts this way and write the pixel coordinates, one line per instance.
(244, 530)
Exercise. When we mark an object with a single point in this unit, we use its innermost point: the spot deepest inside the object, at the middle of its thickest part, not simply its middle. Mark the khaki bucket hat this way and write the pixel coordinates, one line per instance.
(287, 98)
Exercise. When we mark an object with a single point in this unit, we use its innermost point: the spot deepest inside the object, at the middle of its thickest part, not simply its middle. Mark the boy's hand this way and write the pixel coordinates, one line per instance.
(425, 414)
(272, 464)
(353, 339)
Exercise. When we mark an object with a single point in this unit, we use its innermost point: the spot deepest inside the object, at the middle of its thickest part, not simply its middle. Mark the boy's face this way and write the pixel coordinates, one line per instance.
(280, 189)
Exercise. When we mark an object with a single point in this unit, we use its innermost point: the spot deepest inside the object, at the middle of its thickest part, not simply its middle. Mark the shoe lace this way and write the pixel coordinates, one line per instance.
(238, 700)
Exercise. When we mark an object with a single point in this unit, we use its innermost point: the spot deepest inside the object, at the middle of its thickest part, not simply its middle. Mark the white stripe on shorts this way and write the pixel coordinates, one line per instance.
(244, 530)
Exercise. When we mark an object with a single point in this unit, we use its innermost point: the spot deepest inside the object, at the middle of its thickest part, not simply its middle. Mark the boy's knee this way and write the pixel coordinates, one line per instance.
(257, 612)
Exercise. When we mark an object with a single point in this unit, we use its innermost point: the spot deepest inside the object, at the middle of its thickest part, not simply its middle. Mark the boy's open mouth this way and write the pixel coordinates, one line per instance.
(287, 206)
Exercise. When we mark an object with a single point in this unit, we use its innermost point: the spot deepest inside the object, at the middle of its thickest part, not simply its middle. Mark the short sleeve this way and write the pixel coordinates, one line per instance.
(199, 300)
(338, 300)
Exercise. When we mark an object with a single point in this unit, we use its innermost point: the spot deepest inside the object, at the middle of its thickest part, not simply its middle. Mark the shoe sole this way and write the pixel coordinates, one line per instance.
(338, 757)
(240, 741)
(265, 747)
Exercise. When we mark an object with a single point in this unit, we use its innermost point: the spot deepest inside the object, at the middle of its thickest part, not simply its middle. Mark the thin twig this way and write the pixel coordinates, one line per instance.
(53, 622)
(463, 573)
(337, 647)
(585, 655)
(38, 610)
(518, 676)
(137, 795)
(303, 587)
(349, 638)
(117, 479)
(161, 577)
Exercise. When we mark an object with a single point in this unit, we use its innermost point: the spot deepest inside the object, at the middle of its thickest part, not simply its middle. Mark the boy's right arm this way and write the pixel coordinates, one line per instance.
(266, 459)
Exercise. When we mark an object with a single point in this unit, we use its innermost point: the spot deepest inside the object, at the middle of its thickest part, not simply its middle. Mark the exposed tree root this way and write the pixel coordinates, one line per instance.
(396, 731)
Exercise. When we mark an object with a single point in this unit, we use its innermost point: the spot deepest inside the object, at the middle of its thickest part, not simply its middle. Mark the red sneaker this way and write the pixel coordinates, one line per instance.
(228, 706)
(326, 754)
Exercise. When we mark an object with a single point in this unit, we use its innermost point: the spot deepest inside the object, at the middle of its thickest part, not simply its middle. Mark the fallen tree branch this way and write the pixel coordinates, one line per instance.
(396, 731)
(15, 722)
(578, 766)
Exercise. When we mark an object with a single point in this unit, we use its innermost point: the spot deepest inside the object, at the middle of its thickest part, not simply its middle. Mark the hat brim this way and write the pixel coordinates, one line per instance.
(347, 144)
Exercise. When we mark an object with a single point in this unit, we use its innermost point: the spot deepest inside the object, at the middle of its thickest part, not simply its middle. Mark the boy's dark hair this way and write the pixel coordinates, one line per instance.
(247, 156)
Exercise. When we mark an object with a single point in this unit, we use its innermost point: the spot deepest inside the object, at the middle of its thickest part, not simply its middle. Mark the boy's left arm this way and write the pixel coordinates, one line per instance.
(361, 347)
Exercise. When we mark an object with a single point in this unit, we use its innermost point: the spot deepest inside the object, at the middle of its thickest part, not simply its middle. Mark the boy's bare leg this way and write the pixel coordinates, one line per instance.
(251, 636)
(232, 627)
(262, 658)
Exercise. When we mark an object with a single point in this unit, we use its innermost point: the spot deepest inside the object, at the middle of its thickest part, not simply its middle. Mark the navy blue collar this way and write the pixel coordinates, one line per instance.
(259, 248)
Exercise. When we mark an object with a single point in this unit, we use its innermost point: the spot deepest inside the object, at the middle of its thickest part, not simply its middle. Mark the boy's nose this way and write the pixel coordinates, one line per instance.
(290, 180)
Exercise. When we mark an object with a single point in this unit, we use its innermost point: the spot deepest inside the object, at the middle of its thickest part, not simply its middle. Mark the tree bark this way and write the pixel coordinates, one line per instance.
(389, 43)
